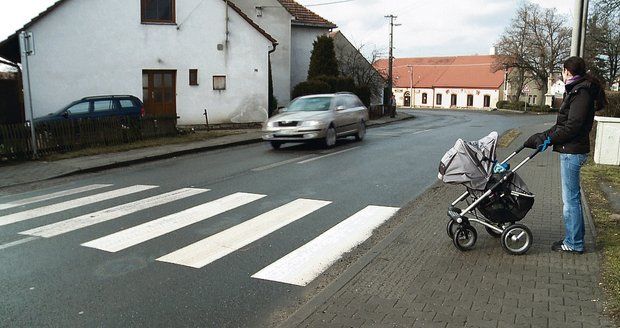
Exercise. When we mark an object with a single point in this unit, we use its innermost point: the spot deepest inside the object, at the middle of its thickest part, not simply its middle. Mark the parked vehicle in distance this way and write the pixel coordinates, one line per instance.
(95, 107)
(323, 117)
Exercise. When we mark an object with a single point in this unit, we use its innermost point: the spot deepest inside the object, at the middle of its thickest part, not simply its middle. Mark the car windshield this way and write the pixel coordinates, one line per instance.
(313, 104)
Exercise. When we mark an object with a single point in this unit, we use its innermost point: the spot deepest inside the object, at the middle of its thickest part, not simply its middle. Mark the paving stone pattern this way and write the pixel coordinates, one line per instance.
(422, 280)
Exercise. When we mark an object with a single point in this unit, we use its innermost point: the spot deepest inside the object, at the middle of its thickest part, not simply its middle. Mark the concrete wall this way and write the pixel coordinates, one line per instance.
(276, 20)
(301, 48)
(97, 47)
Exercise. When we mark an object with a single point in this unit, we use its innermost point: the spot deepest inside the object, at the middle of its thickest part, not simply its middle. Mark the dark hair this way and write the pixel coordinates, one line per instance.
(577, 66)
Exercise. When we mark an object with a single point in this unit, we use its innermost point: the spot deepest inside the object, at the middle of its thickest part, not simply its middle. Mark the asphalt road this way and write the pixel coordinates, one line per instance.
(134, 268)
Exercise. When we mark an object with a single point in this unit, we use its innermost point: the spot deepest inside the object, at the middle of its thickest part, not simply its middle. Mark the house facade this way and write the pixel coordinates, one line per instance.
(180, 57)
(296, 28)
(446, 82)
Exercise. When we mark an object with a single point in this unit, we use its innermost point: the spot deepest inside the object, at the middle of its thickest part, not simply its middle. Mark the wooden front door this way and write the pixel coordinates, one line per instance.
(159, 93)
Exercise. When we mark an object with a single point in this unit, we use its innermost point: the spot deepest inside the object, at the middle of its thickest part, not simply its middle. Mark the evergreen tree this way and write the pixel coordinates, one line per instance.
(323, 59)
(273, 101)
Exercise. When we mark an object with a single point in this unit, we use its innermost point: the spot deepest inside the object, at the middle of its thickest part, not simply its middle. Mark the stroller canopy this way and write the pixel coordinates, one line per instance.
(469, 162)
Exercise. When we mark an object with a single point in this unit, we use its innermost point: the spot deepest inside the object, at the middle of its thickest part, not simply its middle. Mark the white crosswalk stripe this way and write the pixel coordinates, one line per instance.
(53, 195)
(108, 214)
(152, 229)
(59, 207)
(201, 253)
(299, 267)
(306, 263)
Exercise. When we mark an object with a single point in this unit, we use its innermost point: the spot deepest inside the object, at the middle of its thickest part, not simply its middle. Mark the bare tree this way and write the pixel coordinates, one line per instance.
(603, 41)
(353, 63)
(536, 43)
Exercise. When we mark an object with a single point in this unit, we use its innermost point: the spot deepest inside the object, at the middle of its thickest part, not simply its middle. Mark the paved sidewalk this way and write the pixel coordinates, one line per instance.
(33, 171)
(419, 279)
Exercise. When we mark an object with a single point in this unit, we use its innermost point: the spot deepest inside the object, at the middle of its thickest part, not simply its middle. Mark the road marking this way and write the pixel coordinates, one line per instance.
(330, 154)
(152, 229)
(288, 161)
(112, 213)
(201, 253)
(57, 194)
(59, 207)
(306, 263)
(422, 131)
(18, 242)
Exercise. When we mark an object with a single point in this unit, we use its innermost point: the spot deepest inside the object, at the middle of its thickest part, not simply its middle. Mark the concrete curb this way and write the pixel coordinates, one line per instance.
(354, 269)
(147, 159)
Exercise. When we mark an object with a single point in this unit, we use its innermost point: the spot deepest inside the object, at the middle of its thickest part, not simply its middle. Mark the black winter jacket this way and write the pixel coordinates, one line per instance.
(570, 134)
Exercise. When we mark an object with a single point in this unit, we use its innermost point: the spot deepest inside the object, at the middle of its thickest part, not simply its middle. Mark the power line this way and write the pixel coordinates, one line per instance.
(328, 3)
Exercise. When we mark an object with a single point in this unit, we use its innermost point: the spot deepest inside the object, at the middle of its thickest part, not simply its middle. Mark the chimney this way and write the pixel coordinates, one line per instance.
(492, 51)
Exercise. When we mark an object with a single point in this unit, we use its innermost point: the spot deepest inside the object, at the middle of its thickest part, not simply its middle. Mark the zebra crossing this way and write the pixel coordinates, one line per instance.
(299, 267)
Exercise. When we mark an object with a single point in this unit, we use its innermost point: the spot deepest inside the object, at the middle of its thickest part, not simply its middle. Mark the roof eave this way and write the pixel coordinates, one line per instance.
(298, 23)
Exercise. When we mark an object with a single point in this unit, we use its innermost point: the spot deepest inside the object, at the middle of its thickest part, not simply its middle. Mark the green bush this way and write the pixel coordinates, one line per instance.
(364, 93)
(613, 107)
(337, 83)
(503, 104)
(517, 105)
(313, 87)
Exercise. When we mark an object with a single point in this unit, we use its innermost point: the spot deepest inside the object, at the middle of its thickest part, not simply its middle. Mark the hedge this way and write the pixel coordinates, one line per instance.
(613, 107)
(520, 106)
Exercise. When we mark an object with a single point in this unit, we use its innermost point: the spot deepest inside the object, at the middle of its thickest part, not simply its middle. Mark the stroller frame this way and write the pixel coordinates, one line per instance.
(463, 232)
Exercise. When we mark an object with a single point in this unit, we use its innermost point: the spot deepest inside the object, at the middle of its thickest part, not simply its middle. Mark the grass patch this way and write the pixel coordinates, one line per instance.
(507, 138)
(608, 229)
(186, 138)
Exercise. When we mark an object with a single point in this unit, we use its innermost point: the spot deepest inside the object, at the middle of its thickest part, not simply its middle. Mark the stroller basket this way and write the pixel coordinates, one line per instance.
(509, 202)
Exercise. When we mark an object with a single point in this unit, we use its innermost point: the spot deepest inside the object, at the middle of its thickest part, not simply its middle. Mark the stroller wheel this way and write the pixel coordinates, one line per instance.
(465, 237)
(493, 232)
(517, 239)
(451, 228)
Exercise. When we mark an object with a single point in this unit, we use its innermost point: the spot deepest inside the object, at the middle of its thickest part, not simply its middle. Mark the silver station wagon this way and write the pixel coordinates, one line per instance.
(324, 118)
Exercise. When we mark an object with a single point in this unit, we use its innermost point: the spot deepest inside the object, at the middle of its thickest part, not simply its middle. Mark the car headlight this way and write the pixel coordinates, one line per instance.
(311, 123)
(270, 124)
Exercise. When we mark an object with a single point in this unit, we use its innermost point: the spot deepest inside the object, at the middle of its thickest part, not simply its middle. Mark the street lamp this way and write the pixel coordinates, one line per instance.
(412, 101)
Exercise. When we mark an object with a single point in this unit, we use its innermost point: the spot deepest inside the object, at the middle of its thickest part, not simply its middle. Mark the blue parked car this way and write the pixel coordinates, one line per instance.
(97, 107)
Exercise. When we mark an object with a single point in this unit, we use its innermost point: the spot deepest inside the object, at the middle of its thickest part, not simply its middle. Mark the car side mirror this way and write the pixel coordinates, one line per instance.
(65, 114)
(341, 107)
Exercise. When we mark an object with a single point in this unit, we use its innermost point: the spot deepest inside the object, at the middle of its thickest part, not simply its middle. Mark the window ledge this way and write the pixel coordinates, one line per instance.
(158, 23)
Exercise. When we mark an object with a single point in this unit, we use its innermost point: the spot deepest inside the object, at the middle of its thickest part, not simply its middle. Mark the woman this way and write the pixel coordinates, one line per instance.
(570, 137)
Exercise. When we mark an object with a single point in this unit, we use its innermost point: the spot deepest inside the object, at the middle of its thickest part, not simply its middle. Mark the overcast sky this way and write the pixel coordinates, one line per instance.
(429, 28)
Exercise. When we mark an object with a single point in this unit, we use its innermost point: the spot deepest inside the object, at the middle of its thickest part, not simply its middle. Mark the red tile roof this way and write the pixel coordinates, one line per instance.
(474, 72)
(304, 16)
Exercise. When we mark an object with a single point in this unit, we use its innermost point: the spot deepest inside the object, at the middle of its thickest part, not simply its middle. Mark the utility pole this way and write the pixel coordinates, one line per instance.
(390, 63)
(580, 19)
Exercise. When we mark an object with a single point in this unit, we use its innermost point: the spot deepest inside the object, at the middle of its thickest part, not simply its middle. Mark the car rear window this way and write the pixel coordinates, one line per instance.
(126, 103)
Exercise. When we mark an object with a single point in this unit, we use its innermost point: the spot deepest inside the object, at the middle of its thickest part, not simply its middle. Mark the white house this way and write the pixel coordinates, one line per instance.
(179, 57)
(446, 82)
(296, 28)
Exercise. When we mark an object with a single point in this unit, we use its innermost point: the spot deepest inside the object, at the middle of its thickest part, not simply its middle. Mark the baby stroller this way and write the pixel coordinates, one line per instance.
(496, 197)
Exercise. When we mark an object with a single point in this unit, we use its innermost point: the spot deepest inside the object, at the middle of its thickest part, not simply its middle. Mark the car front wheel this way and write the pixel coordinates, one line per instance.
(275, 144)
(361, 131)
(330, 137)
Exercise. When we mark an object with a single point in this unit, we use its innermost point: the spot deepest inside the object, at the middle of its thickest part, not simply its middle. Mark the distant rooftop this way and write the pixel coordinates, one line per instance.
(304, 16)
(444, 72)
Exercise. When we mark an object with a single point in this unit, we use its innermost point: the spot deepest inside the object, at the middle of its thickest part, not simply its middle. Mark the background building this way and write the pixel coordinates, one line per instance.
(452, 82)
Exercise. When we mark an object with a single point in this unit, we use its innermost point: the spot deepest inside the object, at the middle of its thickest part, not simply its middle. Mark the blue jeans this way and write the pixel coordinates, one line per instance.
(570, 166)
